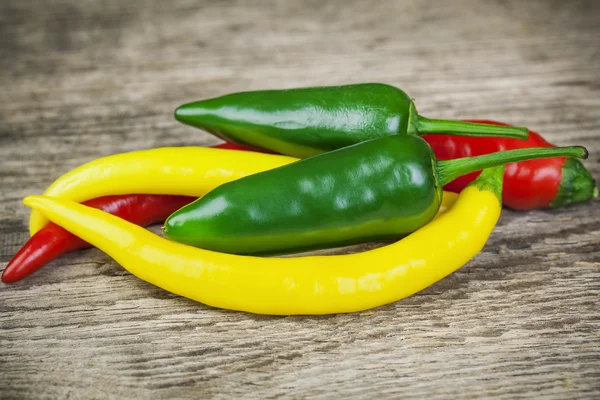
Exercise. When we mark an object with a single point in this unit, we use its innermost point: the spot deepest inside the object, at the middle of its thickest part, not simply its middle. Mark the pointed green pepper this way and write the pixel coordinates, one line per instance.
(379, 189)
(305, 122)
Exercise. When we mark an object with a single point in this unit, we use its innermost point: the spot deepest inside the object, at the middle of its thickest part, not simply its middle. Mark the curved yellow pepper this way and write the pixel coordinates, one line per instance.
(189, 171)
(286, 286)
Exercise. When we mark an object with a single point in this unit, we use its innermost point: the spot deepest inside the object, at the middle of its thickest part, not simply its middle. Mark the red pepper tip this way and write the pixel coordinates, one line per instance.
(9, 275)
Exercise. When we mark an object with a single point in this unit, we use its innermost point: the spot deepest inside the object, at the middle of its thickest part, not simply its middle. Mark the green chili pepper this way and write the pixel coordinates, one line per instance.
(380, 189)
(308, 121)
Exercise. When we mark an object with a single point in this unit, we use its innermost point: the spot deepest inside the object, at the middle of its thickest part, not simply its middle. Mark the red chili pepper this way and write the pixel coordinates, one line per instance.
(52, 241)
(549, 182)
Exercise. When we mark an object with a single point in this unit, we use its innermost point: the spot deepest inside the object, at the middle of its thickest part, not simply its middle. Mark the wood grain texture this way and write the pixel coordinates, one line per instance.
(84, 79)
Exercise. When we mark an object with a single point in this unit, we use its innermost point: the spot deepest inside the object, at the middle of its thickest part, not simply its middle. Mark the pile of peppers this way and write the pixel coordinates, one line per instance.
(303, 169)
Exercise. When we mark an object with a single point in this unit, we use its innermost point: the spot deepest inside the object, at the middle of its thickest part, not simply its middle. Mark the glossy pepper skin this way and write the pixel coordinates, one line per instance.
(304, 122)
(542, 183)
(331, 189)
(301, 285)
(375, 190)
(53, 241)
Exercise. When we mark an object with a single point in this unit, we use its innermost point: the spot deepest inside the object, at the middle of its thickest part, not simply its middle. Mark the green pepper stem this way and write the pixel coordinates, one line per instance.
(447, 127)
(491, 179)
(449, 170)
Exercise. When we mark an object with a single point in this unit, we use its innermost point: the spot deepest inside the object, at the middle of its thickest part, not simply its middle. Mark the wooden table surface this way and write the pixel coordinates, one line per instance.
(84, 79)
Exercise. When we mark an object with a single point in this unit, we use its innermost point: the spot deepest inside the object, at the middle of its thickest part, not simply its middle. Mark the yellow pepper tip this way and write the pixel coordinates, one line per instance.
(40, 203)
(32, 201)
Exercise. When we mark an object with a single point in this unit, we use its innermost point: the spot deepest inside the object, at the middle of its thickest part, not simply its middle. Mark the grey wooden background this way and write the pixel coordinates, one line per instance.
(83, 79)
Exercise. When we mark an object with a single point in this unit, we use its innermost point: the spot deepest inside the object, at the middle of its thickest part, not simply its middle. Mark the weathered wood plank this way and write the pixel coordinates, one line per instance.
(85, 79)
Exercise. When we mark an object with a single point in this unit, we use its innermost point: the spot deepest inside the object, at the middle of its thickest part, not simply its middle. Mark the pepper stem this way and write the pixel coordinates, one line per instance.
(448, 127)
(491, 179)
(449, 170)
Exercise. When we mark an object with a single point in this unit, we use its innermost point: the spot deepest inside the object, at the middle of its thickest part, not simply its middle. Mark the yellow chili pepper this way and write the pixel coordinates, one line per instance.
(301, 285)
(188, 171)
